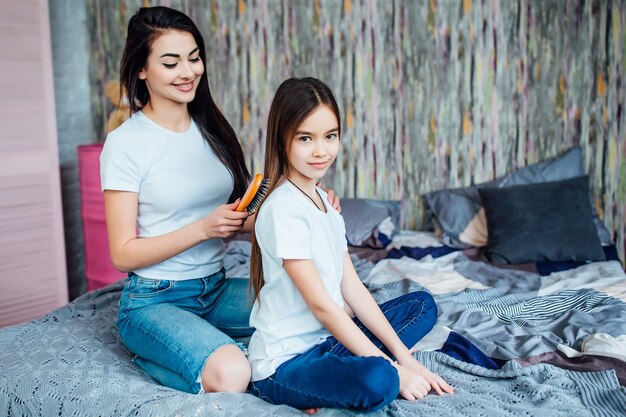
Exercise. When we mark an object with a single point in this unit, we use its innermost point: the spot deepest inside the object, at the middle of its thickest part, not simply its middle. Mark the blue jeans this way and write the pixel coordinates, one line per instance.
(329, 375)
(174, 326)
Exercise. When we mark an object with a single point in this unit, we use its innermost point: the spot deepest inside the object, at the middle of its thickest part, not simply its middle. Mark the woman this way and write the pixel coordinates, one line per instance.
(171, 175)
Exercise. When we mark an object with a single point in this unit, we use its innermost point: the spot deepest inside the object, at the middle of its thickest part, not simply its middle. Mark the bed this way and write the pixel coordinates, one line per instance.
(532, 338)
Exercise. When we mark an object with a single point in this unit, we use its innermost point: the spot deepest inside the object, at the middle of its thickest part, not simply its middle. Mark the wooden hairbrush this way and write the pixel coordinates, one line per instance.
(256, 192)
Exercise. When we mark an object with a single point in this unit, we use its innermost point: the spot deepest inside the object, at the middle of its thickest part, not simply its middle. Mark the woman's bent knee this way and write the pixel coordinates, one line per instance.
(226, 370)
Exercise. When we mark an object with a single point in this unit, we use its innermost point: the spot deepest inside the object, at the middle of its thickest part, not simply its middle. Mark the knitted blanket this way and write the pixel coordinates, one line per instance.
(71, 363)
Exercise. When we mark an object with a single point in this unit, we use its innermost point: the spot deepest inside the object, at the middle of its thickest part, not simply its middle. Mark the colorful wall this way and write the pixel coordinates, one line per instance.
(434, 93)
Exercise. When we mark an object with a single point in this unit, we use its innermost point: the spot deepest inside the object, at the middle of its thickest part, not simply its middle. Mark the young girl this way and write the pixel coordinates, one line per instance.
(306, 351)
(170, 176)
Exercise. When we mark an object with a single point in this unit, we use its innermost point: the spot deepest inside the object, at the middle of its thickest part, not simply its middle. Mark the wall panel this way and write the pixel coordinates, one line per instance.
(434, 93)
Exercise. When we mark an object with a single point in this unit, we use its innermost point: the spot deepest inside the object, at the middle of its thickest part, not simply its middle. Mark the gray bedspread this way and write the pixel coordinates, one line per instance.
(71, 363)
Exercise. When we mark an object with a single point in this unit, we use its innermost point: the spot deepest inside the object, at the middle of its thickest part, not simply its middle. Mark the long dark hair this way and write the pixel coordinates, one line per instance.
(144, 27)
(294, 101)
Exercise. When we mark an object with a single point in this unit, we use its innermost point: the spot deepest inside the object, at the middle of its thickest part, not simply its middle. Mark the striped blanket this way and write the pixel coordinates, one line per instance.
(531, 339)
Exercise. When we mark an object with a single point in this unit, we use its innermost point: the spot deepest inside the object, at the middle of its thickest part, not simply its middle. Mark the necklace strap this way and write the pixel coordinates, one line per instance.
(311, 198)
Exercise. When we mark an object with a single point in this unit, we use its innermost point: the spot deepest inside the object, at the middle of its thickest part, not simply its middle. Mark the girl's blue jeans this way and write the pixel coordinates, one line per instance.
(329, 375)
(174, 326)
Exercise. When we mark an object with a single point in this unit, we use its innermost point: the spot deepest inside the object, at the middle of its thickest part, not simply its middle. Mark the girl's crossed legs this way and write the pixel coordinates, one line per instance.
(329, 375)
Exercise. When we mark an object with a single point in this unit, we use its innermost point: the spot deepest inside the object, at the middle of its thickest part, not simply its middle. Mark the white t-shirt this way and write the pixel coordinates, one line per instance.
(289, 226)
(178, 179)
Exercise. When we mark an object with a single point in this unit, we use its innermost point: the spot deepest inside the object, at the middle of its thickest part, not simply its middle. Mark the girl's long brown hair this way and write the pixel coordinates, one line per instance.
(294, 100)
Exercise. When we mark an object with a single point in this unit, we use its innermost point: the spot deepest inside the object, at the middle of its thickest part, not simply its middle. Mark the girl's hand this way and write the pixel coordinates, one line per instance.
(224, 221)
(332, 198)
(434, 381)
(413, 386)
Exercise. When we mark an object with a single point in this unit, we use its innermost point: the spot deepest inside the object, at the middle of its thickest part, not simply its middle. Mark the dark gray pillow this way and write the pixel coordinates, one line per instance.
(551, 221)
(370, 223)
(454, 209)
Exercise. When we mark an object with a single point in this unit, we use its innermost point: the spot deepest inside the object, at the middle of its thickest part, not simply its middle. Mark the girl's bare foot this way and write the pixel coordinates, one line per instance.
(311, 410)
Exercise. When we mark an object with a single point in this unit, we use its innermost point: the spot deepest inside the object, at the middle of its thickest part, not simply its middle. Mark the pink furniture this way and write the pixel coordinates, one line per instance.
(33, 277)
(98, 267)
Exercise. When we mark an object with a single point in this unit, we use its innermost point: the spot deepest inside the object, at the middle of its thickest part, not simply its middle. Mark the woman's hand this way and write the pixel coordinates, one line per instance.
(224, 221)
(332, 198)
(432, 380)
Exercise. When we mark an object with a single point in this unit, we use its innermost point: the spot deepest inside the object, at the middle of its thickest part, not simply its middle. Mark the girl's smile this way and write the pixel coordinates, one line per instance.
(319, 165)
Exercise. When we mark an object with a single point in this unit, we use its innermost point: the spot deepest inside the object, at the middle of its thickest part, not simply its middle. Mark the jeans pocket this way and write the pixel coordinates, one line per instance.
(146, 287)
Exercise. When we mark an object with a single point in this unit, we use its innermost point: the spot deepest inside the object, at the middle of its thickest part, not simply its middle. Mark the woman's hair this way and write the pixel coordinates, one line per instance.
(147, 24)
(294, 101)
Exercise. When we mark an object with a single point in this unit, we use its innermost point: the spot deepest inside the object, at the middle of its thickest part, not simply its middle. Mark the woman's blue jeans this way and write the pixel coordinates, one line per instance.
(329, 375)
(174, 326)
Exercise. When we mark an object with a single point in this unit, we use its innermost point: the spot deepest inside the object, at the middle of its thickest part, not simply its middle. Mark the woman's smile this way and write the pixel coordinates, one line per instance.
(185, 88)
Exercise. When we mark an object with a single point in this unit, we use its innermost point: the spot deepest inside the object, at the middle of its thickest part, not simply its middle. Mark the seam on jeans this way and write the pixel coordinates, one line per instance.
(198, 379)
(414, 319)
(217, 325)
(261, 396)
(402, 304)
(154, 293)
(400, 330)
(205, 284)
(287, 387)
(332, 345)
(125, 307)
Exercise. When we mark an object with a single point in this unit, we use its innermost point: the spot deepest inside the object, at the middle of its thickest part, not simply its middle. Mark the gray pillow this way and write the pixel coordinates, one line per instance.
(370, 223)
(549, 221)
(458, 210)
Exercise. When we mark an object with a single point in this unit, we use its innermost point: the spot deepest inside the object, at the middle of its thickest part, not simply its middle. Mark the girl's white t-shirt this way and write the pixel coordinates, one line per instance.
(290, 226)
(178, 179)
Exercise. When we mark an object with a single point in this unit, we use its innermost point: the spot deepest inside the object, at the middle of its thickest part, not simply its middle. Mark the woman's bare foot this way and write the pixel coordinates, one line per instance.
(311, 410)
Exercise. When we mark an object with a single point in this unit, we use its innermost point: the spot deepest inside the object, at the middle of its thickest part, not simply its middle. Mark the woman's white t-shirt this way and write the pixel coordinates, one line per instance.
(178, 179)
(290, 226)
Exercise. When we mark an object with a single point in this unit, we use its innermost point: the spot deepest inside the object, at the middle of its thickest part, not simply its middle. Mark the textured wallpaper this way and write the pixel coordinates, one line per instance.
(433, 94)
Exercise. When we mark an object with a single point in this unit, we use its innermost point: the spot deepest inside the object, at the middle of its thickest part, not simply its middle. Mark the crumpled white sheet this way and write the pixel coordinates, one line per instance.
(600, 344)
(415, 239)
(437, 275)
(607, 277)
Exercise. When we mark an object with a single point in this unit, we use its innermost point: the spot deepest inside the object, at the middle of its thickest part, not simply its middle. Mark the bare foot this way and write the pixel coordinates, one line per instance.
(311, 410)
